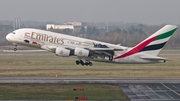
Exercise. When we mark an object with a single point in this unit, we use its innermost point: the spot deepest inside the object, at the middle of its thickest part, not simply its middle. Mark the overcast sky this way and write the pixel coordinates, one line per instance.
(142, 11)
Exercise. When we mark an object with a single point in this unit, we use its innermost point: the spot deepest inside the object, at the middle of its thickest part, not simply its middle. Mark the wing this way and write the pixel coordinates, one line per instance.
(101, 51)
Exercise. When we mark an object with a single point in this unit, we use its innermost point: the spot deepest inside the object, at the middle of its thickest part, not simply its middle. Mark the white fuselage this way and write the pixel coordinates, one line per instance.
(51, 38)
(40, 38)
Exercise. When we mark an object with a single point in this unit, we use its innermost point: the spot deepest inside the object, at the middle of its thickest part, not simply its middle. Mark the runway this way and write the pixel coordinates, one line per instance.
(87, 80)
(137, 89)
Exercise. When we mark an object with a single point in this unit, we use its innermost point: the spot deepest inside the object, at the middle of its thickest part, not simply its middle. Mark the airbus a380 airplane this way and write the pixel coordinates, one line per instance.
(85, 49)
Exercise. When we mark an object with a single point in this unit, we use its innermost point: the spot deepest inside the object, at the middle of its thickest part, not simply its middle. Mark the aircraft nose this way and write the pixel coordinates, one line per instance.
(10, 37)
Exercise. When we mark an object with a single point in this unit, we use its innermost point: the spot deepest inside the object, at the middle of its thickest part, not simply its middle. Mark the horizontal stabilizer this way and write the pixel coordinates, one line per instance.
(151, 57)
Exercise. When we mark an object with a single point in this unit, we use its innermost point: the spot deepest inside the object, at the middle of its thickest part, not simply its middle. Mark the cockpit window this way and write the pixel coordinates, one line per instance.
(13, 32)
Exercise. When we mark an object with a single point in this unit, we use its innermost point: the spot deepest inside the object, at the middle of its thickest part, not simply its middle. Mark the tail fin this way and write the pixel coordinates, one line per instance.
(154, 43)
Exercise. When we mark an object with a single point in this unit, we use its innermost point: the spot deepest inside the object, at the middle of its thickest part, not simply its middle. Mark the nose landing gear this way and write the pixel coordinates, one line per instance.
(15, 48)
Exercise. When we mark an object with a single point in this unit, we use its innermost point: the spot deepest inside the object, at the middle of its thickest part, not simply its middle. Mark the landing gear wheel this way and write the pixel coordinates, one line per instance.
(77, 62)
(90, 64)
(15, 49)
(86, 63)
(82, 63)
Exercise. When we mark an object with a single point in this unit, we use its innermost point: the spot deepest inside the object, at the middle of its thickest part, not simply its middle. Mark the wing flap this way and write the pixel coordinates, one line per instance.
(104, 49)
(100, 49)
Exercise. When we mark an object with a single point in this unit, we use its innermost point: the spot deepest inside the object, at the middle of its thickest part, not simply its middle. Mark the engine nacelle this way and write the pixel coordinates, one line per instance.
(62, 52)
(81, 52)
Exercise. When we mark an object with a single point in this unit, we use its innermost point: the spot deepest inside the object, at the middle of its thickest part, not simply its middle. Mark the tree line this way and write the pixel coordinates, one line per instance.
(124, 35)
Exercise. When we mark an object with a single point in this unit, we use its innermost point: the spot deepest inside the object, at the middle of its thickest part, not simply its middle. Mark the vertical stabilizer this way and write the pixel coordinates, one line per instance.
(153, 44)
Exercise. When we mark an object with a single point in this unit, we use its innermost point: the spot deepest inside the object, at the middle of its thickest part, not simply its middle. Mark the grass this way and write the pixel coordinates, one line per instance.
(59, 91)
(45, 64)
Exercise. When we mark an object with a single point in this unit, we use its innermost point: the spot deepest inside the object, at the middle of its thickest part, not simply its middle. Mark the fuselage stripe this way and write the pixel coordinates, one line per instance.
(137, 48)
(153, 47)
(165, 35)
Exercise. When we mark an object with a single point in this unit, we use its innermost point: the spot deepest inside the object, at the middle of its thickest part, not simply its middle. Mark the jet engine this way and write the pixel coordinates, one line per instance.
(62, 52)
(81, 52)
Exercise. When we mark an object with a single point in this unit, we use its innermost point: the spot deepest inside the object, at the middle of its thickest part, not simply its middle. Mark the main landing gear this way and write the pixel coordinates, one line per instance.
(84, 63)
